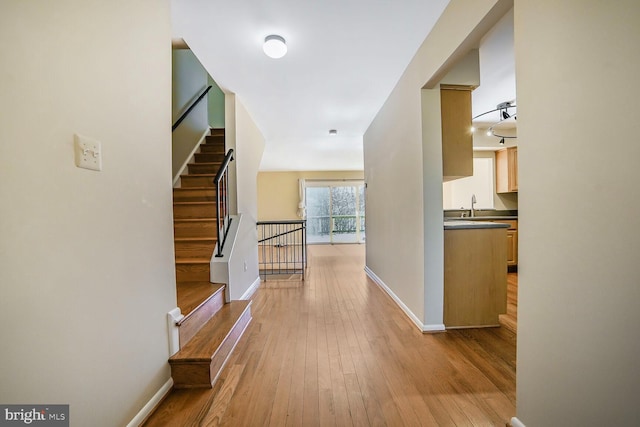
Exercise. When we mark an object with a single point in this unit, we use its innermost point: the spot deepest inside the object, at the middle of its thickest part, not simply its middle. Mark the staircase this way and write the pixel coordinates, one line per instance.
(211, 327)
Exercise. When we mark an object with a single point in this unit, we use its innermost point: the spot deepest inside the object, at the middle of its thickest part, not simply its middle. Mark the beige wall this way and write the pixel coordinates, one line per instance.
(403, 166)
(278, 191)
(87, 271)
(249, 147)
(189, 80)
(578, 149)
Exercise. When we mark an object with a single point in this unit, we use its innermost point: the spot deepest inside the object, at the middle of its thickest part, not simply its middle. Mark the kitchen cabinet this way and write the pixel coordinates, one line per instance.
(512, 240)
(475, 275)
(507, 170)
(457, 139)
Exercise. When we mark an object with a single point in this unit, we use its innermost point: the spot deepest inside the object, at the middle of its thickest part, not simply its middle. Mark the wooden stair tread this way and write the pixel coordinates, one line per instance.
(204, 345)
(192, 295)
(199, 175)
(205, 164)
(210, 145)
(190, 189)
(193, 261)
(194, 203)
(192, 220)
(194, 239)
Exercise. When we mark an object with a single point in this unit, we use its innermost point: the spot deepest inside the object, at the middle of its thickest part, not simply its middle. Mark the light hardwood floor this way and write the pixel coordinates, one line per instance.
(335, 350)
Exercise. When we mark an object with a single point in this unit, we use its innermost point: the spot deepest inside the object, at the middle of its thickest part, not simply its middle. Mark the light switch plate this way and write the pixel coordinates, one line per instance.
(88, 153)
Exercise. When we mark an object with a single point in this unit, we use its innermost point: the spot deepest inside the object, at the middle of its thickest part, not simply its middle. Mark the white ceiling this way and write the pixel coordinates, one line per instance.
(344, 59)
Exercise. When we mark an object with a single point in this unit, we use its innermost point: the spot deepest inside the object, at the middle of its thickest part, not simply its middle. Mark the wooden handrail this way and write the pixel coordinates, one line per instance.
(191, 107)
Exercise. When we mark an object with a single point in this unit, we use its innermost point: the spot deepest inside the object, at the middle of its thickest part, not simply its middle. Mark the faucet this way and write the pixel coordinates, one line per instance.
(473, 202)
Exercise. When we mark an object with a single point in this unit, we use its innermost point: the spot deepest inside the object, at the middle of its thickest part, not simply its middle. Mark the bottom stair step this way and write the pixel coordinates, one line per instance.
(200, 361)
(198, 302)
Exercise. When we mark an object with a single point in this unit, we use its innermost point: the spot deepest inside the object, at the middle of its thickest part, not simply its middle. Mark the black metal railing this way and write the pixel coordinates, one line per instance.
(191, 107)
(223, 217)
(282, 247)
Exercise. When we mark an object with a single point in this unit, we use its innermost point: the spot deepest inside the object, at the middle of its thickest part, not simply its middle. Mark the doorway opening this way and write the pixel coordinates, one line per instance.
(335, 211)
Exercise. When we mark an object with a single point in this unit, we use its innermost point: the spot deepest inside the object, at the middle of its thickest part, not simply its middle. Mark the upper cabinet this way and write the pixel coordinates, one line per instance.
(457, 139)
(507, 170)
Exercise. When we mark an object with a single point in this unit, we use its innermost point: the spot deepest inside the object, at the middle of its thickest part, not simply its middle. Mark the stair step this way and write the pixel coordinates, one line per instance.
(194, 194)
(200, 168)
(194, 247)
(201, 180)
(184, 210)
(212, 148)
(200, 361)
(209, 157)
(198, 302)
(197, 227)
(215, 139)
(193, 270)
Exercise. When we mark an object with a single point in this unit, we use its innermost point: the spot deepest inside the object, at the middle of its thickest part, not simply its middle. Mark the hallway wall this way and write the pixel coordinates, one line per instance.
(87, 271)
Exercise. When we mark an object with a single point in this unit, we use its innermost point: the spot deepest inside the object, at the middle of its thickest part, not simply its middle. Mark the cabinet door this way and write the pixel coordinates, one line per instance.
(513, 168)
(507, 170)
(512, 247)
(457, 139)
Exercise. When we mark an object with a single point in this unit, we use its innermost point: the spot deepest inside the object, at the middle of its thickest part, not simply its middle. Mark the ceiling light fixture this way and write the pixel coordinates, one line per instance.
(503, 115)
(333, 132)
(275, 46)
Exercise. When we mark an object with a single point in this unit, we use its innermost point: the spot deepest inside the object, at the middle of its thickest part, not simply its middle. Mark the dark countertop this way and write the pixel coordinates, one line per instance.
(480, 215)
(464, 225)
(481, 218)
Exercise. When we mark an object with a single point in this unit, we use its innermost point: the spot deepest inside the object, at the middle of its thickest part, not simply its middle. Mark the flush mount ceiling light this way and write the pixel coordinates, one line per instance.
(333, 132)
(275, 46)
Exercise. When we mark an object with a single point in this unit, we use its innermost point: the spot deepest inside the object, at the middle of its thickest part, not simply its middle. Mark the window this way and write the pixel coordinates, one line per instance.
(457, 194)
(335, 212)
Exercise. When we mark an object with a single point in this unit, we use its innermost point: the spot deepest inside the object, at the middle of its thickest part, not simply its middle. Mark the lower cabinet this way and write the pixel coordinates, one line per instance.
(475, 277)
(512, 240)
(512, 247)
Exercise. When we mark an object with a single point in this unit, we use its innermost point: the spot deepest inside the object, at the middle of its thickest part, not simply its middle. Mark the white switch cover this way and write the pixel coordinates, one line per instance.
(88, 153)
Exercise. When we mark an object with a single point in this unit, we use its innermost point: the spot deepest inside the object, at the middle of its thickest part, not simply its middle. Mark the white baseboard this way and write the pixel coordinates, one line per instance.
(151, 404)
(515, 422)
(402, 305)
(252, 289)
